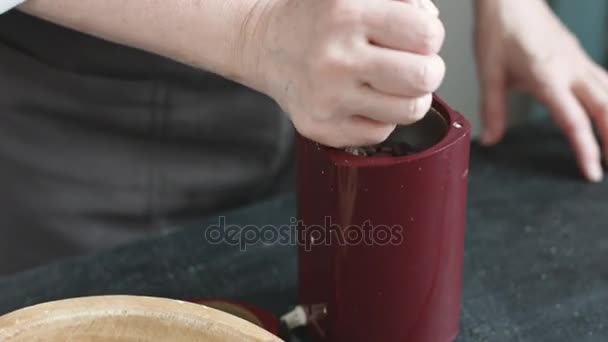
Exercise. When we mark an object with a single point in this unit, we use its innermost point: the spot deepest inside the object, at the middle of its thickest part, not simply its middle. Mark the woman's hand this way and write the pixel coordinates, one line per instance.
(521, 43)
(348, 71)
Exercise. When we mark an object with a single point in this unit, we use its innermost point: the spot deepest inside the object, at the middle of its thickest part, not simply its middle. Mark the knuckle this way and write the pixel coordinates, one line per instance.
(345, 14)
(333, 61)
(540, 70)
(413, 110)
(544, 81)
(432, 36)
(323, 61)
(390, 24)
(547, 71)
(325, 87)
(570, 125)
(378, 135)
(385, 132)
(417, 108)
(430, 74)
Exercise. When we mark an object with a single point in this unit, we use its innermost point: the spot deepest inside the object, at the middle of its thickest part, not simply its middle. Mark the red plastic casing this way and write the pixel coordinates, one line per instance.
(408, 289)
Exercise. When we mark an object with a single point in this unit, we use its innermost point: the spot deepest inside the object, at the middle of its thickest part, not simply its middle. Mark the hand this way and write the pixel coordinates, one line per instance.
(521, 43)
(348, 71)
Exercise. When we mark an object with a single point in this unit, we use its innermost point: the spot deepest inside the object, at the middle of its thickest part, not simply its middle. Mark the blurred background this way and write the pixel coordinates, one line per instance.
(588, 19)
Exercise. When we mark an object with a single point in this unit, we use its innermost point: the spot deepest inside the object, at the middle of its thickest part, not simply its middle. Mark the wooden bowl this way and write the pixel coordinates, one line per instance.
(126, 319)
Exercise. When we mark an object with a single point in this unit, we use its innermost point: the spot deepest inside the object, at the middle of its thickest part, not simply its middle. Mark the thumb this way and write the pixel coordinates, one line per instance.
(493, 110)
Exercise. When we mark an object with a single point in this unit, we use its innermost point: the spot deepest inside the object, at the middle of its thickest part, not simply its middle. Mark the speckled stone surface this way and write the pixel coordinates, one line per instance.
(536, 266)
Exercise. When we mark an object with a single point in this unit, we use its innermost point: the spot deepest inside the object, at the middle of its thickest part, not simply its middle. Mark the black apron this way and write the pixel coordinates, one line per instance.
(101, 144)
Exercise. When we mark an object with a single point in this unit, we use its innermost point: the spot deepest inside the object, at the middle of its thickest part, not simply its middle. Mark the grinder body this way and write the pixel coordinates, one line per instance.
(381, 239)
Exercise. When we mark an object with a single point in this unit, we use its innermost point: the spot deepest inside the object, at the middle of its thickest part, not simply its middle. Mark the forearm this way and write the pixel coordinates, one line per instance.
(209, 34)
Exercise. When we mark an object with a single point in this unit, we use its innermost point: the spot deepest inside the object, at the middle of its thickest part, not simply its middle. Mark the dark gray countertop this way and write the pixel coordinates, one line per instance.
(536, 266)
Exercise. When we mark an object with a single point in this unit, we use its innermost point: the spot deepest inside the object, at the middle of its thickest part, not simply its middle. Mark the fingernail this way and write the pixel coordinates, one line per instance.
(595, 173)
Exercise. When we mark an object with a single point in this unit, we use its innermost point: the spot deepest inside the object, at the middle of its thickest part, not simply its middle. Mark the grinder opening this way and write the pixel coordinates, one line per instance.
(406, 140)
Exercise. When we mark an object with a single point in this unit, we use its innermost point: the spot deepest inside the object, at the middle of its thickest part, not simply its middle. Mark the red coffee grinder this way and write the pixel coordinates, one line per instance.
(381, 233)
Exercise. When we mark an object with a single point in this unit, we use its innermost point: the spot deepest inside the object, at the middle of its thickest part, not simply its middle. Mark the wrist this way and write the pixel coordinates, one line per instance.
(250, 45)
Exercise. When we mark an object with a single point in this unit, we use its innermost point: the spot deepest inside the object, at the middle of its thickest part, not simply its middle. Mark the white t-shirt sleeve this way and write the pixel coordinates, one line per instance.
(6, 5)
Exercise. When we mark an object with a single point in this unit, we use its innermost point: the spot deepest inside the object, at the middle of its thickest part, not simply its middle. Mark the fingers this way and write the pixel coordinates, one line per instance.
(364, 131)
(493, 109)
(403, 26)
(572, 119)
(390, 109)
(348, 132)
(424, 4)
(402, 73)
(492, 68)
(594, 96)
